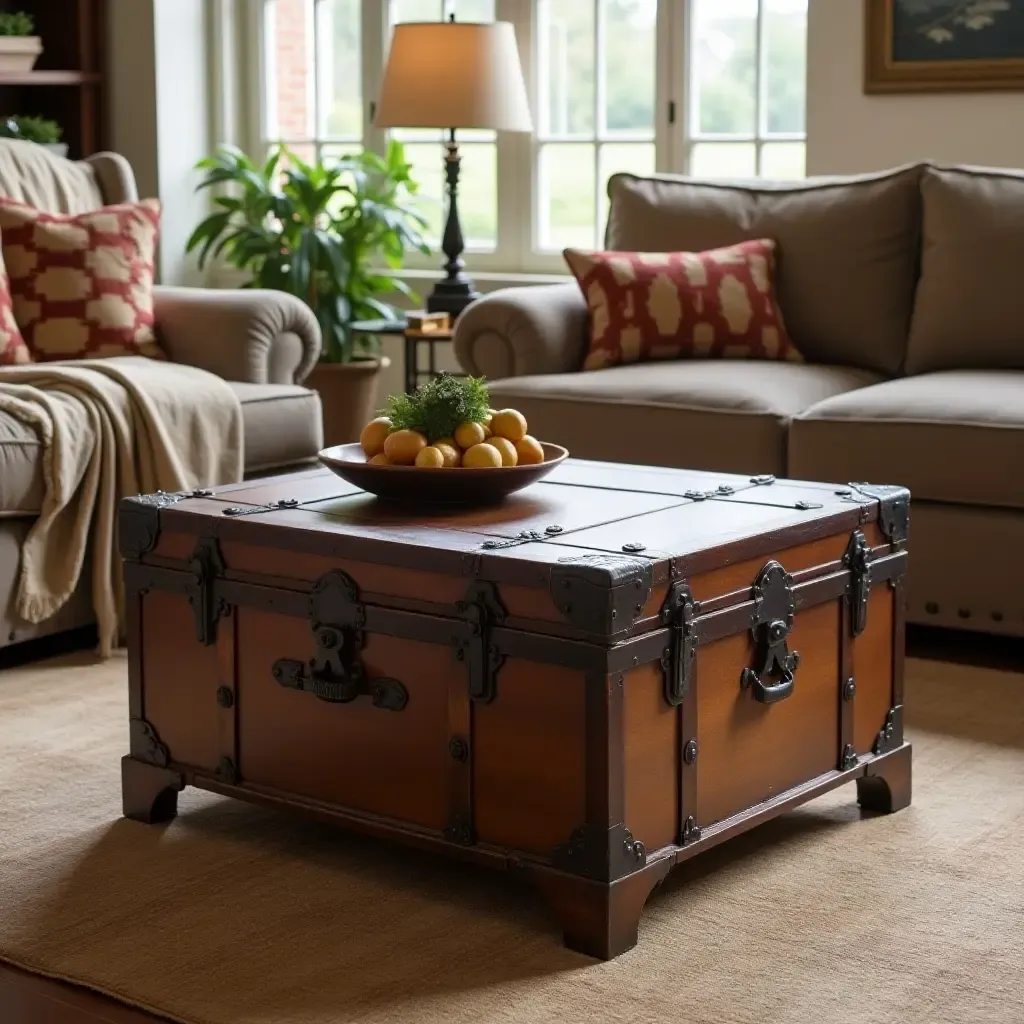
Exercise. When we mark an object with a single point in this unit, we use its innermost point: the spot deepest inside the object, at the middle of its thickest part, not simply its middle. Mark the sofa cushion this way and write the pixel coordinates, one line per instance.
(725, 415)
(655, 305)
(847, 249)
(21, 468)
(956, 436)
(283, 424)
(969, 311)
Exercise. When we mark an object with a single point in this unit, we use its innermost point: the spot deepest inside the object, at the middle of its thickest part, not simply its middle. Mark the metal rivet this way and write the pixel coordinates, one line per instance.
(552, 530)
(849, 689)
(225, 698)
(689, 826)
(634, 546)
(844, 493)
(963, 613)
(690, 752)
(997, 616)
(804, 506)
(489, 544)
(931, 608)
(201, 492)
(459, 749)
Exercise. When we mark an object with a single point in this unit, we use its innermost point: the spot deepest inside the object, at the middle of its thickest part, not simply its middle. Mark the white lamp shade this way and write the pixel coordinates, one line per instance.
(444, 74)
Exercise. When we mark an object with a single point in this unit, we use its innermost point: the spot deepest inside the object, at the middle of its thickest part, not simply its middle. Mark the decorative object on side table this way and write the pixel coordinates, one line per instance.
(453, 75)
(943, 45)
(321, 231)
(20, 48)
(414, 341)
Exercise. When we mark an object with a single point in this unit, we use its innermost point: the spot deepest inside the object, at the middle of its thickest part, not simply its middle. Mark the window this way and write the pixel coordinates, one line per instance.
(714, 88)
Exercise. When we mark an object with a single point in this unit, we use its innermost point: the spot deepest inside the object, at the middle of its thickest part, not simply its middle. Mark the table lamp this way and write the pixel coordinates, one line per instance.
(449, 75)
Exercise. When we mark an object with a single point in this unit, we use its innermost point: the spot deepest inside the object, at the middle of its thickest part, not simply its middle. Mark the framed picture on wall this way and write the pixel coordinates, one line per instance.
(943, 45)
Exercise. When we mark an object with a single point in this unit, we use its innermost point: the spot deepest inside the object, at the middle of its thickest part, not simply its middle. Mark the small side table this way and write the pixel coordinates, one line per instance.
(414, 341)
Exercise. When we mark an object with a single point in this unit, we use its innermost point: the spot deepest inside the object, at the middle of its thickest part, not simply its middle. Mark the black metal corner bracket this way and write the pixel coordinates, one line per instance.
(858, 560)
(138, 521)
(890, 736)
(893, 509)
(679, 658)
(771, 622)
(602, 593)
(146, 745)
(482, 609)
(601, 853)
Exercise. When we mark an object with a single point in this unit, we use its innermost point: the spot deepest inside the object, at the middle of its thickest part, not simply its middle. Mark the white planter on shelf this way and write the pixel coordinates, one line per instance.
(19, 53)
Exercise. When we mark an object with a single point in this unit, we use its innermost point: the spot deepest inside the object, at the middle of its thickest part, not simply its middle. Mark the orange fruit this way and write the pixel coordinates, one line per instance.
(374, 434)
(451, 453)
(530, 451)
(430, 458)
(380, 459)
(506, 449)
(468, 434)
(482, 456)
(509, 423)
(403, 446)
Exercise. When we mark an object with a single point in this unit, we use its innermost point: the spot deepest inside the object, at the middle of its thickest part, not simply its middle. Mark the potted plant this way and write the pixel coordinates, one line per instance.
(19, 48)
(40, 130)
(320, 231)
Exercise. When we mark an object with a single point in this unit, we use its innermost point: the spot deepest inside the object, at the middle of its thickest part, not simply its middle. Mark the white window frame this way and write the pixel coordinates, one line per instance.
(675, 133)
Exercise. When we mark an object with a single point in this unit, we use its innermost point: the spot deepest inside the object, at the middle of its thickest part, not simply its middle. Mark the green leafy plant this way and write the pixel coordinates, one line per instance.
(16, 23)
(439, 406)
(320, 231)
(31, 129)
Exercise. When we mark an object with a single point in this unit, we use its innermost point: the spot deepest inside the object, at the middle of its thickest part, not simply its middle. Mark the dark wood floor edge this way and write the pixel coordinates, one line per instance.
(965, 647)
(77, 995)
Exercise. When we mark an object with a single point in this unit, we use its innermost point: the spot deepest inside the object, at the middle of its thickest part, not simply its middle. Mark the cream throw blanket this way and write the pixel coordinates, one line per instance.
(111, 428)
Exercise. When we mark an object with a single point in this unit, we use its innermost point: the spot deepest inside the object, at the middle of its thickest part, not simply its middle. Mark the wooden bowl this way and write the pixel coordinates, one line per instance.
(413, 485)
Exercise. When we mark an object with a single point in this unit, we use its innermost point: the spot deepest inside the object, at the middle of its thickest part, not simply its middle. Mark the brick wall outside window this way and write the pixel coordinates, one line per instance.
(294, 70)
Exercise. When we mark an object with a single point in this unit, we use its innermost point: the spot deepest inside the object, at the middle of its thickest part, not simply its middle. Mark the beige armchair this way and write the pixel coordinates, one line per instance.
(263, 343)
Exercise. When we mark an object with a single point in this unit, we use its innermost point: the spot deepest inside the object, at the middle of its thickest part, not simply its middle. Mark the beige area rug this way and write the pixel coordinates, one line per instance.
(238, 915)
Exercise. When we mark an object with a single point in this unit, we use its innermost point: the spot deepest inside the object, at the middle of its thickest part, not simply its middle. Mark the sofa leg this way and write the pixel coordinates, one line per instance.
(148, 793)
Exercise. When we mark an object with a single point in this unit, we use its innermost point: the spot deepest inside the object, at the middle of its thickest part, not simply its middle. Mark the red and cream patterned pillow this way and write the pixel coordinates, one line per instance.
(13, 349)
(82, 286)
(677, 305)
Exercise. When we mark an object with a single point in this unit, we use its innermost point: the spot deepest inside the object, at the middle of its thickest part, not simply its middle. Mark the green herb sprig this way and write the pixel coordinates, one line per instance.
(16, 23)
(439, 406)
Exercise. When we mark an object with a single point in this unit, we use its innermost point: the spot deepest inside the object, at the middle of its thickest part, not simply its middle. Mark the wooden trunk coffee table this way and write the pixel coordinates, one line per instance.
(595, 680)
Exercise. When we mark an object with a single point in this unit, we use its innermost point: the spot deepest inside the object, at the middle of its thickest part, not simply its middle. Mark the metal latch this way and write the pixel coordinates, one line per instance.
(679, 657)
(858, 560)
(481, 609)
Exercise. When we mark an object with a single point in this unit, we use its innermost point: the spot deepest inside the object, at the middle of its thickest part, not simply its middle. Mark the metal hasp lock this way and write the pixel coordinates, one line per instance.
(482, 609)
(771, 623)
(858, 560)
(678, 659)
(335, 673)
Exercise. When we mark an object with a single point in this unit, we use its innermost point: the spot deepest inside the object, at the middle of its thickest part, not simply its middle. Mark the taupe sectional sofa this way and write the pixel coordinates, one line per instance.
(904, 291)
(263, 343)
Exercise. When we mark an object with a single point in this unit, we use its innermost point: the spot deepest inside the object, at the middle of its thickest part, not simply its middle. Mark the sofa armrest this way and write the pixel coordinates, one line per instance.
(254, 336)
(519, 331)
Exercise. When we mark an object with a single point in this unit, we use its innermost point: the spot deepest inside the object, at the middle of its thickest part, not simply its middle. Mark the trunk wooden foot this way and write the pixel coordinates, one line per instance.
(886, 786)
(600, 918)
(148, 793)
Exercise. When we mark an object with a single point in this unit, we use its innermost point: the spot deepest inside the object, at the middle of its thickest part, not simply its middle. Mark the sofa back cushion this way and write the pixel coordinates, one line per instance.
(847, 249)
(969, 312)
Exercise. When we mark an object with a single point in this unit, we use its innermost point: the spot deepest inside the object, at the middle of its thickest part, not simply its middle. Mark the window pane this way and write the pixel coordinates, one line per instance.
(566, 204)
(472, 10)
(478, 195)
(565, 57)
(629, 64)
(339, 68)
(635, 157)
(785, 65)
(783, 160)
(415, 10)
(725, 58)
(289, 64)
(724, 160)
(427, 161)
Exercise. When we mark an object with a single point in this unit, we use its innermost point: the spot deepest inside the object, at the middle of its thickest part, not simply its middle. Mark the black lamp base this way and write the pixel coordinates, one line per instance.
(452, 297)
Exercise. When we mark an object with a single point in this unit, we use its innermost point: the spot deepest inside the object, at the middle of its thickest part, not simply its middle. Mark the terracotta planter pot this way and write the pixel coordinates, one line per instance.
(348, 392)
(19, 53)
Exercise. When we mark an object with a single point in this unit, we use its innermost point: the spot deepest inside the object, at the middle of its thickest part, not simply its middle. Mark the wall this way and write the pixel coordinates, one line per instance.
(849, 132)
(160, 111)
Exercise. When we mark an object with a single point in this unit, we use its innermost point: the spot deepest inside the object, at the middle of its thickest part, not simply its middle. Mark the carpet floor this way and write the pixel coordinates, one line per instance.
(238, 915)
